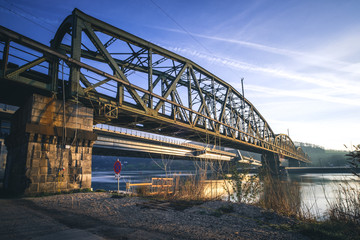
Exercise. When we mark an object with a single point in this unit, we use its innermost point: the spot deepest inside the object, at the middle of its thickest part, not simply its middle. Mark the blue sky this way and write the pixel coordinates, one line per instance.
(300, 59)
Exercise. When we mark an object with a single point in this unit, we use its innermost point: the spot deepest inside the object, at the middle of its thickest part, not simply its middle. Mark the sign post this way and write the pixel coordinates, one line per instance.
(117, 170)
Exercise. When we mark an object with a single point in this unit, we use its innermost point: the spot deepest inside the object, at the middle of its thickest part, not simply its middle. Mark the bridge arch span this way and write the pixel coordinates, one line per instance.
(187, 100)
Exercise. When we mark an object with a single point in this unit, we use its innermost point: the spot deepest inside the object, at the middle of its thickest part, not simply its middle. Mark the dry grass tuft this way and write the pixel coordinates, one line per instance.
(281, 196)
(346, 207)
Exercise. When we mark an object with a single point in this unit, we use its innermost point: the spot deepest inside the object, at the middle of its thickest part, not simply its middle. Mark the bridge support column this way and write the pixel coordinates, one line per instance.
(294, 163)
(49, 147)
(271, 163)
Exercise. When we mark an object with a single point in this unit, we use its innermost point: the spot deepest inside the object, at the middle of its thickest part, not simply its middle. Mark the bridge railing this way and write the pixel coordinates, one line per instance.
(137, 133)
(21, 63)
(145, 135)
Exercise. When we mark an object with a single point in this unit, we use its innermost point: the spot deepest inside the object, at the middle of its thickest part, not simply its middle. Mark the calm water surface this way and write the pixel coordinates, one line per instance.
(106, 179)
(320, 190)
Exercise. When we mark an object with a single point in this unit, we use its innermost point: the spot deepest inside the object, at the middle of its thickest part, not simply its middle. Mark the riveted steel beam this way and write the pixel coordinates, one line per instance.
(97, 43)
(5, 57)
(171, 88)
(25, 67)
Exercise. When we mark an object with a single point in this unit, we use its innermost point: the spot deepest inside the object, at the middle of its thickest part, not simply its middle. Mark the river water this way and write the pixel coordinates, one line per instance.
(317, 191)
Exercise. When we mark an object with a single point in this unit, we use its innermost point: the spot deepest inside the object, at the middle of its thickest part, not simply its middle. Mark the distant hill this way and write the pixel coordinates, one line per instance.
(321, 157)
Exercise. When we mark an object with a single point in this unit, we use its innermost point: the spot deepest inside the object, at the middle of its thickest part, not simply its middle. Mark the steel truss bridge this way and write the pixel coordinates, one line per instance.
(132, 83)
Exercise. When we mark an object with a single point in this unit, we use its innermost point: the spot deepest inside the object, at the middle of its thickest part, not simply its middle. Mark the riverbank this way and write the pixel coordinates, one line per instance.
(101, 216)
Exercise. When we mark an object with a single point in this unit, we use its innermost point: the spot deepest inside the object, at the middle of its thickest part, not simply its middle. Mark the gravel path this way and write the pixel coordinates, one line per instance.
(99, 216)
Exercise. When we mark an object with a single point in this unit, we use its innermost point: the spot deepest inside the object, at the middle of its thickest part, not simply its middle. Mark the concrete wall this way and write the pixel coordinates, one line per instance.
(5, 114)
(49, 151)
(3, 155)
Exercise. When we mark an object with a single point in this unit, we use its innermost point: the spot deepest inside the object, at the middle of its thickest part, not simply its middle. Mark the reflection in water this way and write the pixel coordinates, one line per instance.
(320, 190)
(310, 192)
(217, 189)
(106, 179)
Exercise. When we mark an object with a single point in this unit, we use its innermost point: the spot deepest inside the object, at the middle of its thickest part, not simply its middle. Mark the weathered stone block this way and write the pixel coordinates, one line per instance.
(43, 162)
(35, 163)
(86, 181)
(43, 170)
(43, 178)
(36, 147)
(50, 186)
(35, 171)
(62, 185)
(52, 156)
(33, 188)
(42, 187)
(87, 157)
(34, 178)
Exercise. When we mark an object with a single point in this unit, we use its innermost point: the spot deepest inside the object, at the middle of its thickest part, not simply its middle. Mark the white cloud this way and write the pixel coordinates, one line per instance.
(324, 94)
(327, 58)
(317, 94)
(326, 80)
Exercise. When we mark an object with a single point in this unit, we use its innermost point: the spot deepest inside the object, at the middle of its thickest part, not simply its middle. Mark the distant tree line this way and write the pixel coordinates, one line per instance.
(321, 157)
(301, 144)
(354, 159)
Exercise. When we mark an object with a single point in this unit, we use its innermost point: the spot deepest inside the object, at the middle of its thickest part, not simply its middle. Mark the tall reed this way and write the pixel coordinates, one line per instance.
(281, 196)
(196, 186)
(346, 207)
(241, 186)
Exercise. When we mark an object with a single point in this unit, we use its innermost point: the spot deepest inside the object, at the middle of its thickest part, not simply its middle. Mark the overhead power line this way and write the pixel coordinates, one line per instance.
(27, 18)
(178, 24)
(187, 32)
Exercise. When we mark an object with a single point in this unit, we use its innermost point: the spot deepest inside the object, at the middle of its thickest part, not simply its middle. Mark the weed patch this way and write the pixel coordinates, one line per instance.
(330, 230)
(100, 190)
(182, 205)
(223, 210)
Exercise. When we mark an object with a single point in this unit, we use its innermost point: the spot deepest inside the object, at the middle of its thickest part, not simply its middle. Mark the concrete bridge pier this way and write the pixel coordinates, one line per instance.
(294, 163)
(271, 163)
(49, 147)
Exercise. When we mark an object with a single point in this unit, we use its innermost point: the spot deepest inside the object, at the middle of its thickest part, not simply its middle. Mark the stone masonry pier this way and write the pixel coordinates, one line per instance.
(49, 147)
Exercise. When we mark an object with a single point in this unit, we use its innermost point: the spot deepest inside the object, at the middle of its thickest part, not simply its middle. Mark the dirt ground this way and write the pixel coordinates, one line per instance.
(101, 216)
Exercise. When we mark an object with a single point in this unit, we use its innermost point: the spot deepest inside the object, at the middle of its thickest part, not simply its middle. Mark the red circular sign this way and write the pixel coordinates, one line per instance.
(117, 167)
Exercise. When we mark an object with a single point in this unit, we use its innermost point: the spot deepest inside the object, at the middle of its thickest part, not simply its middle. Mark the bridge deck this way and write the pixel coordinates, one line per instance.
(111, 142)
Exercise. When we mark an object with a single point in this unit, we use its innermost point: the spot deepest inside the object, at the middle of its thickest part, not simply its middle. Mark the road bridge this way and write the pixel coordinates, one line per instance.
(117, 143)
(93, 73)
(127, 143)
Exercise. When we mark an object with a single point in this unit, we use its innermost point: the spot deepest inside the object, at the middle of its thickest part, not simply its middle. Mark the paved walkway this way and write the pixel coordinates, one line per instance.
(19, 221)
